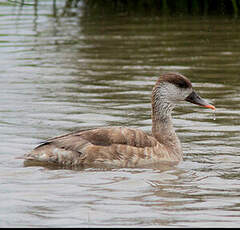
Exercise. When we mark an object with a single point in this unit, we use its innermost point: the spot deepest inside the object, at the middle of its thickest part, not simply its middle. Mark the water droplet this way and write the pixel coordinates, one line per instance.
(214, 115)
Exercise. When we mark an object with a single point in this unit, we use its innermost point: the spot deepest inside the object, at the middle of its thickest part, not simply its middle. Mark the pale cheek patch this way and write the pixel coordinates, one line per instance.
(185, 93)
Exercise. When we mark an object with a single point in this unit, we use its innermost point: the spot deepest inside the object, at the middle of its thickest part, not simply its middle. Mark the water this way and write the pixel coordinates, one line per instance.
(60, 74)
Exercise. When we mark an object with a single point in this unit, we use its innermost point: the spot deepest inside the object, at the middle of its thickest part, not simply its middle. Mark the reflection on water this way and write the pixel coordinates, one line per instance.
(59, 74)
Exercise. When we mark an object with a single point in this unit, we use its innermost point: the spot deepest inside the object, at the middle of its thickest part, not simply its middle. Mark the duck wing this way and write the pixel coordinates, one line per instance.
(110, 145)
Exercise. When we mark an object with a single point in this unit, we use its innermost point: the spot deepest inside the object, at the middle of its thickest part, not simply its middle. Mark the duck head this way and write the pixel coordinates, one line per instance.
(172, 88)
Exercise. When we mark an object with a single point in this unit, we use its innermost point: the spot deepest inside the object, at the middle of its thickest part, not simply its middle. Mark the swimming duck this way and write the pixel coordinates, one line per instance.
(123, 146)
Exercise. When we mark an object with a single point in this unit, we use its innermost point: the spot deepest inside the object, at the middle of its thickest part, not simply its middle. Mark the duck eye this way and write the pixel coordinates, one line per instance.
(181, 84)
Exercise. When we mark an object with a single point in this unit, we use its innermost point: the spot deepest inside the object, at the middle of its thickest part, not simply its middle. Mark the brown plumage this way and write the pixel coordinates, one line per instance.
(122, 146)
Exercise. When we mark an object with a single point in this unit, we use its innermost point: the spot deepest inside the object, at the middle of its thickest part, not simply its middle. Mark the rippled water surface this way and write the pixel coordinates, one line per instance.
(60, 73)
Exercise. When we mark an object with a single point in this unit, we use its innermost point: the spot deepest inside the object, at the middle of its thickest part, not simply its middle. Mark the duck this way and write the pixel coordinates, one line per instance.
(119, 146)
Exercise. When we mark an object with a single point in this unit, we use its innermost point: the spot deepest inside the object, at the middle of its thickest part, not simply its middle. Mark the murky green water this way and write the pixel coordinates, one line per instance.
(59, 74)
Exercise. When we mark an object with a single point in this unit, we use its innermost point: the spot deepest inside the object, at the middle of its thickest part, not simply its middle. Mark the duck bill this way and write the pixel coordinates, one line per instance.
(195, 99)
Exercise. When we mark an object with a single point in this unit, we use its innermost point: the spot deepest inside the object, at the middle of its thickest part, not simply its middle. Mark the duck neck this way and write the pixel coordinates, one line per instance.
(162, 127)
